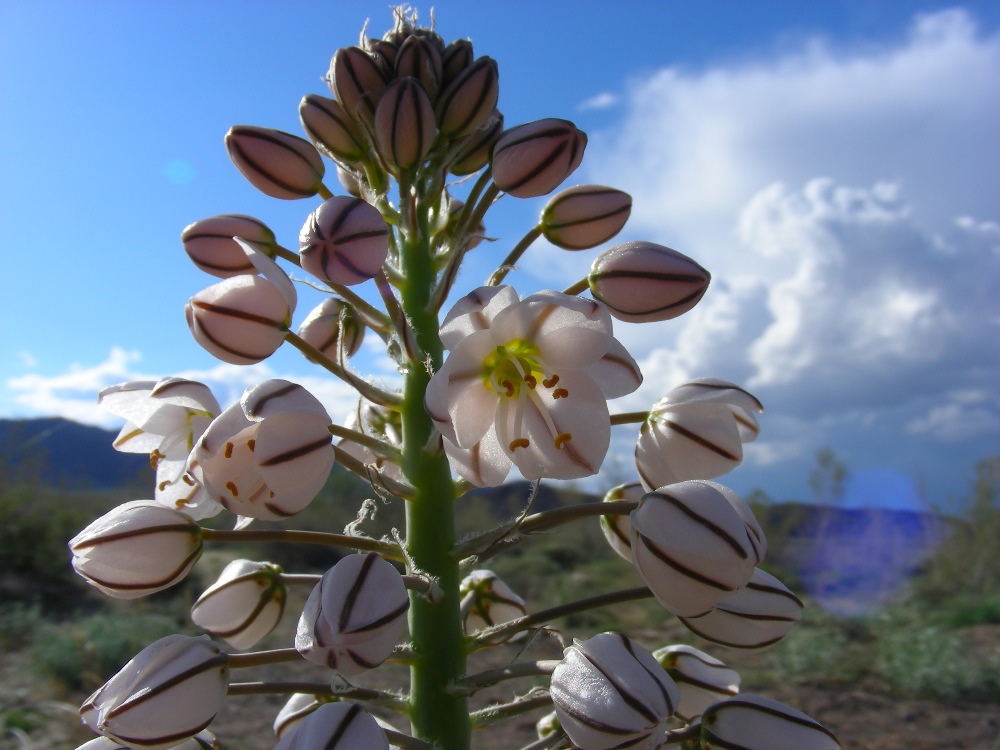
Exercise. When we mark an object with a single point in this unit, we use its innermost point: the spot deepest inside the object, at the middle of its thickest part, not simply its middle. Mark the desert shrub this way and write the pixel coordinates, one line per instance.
(918, 659)
(819, 650)
(18, 622)
(85, 653)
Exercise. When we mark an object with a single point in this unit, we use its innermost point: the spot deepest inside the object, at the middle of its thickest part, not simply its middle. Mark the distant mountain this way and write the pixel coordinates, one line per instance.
(58, 453)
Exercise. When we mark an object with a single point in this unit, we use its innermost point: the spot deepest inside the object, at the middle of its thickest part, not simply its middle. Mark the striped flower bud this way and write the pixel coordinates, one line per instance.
(202, 741)
(331, 129)
(754, 722)
(419, 57)
(470, 99)
(269, 455)
(210, 244)
(404, 123)
(349, 180)
(345, 241)
(701, 679)
(617, 528)
(456, 57)
(244, 605)
(355, 616)
(168, 693)
(488, 601)
(475, 151)
(695, 543)
(534, 159)
(585, 216)
(278, 164)
(696, 431)
(243, 319)
(610, 692)
(642, 282)
(332, 324)
(758, 615)
(357, 82)
(296, 708)
(384, 53)
(336, 726)
(136, 549)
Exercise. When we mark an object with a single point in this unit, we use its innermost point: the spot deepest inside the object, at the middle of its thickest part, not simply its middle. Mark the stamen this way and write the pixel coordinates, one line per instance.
(551, 381)
(251, 444)
(231, 486)
(229, 450)
(531, 380)
(562, 437)
(163, 485)
(188, 480)
(508, 387)
(518, 443)
(560, 393)
(154, 457)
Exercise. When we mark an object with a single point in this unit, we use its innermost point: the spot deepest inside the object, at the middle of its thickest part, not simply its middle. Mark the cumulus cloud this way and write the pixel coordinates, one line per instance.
(844, 200)
(604, 100)
(73, 394)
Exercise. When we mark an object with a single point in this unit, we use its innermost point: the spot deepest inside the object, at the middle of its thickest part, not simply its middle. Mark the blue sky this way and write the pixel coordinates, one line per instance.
(835, 165)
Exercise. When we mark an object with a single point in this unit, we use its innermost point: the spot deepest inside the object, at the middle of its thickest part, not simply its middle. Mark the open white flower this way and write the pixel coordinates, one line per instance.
(165, 420)
(267, 456)
(527, 383)
(696, 431)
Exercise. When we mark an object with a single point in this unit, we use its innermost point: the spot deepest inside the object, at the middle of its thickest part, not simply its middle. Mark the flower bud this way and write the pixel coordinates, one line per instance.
(475, 151)
(420, 58)
(328, 323)
(169, 692)
(331, 129)
(136, 549)
(641, 282)
(278, 164)
(696, 431)
(269, 455)
(695, 543)
(701, 679)
(355, 616)
(548, 725)
(610, 692)
(384, 52)
(244, 605)
(758, 615)
(617, 528)
(210, 244)
(534, 159)
(473, 238)
(345, 241)
(585, 216)
(456, 57)
(357, 82)
(349, 181)
(404, 123)
(296, 708)
(202, 741)
(757, 723)
(377, 422)
(241, 320)
(336, 726)
(470, 99)
(487, 601)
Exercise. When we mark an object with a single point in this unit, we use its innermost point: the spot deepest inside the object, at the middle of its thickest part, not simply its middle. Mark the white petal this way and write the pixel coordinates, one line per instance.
(277, 396)
(292, 450)
(128, 400)
(270, 271)
(485, 464)
(566, 338)
(475, 312)
(617, 373)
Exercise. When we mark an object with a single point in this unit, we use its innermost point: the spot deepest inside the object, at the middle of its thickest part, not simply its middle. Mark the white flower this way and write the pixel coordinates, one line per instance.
(244, 605)
(526, 382)
(336, 726)
(165, 419)
(696, 431)
(487, 601)
(610, 692)
(695, 543)
(757, 723)
(267, 456)
(138, 548)
(169, 692)
(355, 616)
(701, 679)
(376, 422)
(617, 529)
(758, 615)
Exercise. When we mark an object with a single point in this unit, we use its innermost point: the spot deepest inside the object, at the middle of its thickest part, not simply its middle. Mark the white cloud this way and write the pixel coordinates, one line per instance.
(604, 100)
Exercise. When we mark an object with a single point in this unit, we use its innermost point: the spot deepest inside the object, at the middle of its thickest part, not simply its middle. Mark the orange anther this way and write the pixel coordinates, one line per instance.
(562, 437)
(560, 393)
(518, 443)
(551, 381)
(251, 444)
(229, 450)
(509, 386)
(231, 486)
(531, 380)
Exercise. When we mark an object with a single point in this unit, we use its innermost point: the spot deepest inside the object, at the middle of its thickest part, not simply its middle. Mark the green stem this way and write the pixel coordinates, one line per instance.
(371, 392)
(435, 626)
(493, 714)
(387, 550)
(471, 684)
(629, 417)
(581, 286)
(260, 658)
(499, 633)
(508, 263)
